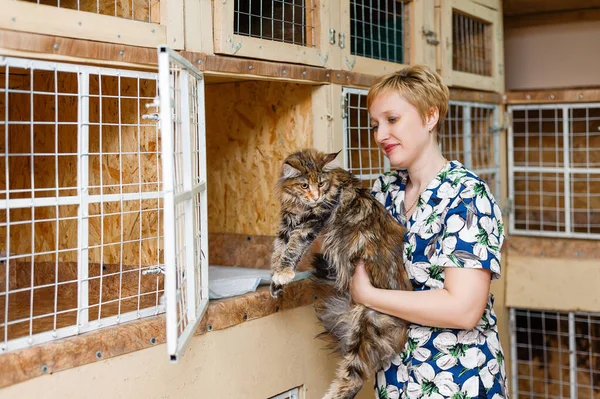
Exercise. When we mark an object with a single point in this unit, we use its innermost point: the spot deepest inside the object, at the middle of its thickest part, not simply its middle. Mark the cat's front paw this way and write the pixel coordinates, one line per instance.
(283, 277)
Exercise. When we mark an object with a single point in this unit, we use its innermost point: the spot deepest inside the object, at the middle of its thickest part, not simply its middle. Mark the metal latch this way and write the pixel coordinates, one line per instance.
(331, 36)
(154, 270)
(430, 35)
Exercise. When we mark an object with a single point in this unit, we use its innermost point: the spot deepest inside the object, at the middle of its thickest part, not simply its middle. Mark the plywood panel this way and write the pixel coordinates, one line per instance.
(553, 283)
(251, 127)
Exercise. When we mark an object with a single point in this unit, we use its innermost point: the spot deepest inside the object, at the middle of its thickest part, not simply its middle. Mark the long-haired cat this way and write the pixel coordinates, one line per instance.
(317, 197)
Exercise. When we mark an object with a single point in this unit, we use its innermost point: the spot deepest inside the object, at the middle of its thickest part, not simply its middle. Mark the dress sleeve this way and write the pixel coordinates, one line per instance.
(472, 233)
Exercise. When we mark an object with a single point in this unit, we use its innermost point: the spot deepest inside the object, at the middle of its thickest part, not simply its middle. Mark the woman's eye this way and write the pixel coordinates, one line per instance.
(392, 119)
(304, 186)
(374, 128)
(321, 183)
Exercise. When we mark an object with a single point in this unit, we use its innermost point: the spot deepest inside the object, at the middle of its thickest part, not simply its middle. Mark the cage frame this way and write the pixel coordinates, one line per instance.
(226, 42)
(420, 17)
(50, 20)
(453, 78)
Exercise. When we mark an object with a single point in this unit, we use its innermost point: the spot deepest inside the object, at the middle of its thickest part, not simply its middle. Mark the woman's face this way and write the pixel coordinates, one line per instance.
(399, 129)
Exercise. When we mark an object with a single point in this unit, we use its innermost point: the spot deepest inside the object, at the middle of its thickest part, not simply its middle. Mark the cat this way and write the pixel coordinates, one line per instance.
(317, 198)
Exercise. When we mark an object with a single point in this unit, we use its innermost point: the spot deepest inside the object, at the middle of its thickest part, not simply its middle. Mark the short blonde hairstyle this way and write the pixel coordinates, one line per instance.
(420, 86)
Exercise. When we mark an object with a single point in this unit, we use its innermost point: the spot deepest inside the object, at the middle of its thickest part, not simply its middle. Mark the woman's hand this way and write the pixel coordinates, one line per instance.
(360, 285)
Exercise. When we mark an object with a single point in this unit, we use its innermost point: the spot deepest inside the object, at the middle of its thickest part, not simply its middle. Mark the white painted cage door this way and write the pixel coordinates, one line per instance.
(182, 122)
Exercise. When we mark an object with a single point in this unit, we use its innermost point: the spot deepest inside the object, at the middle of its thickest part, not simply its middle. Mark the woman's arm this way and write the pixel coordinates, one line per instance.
(460, 304)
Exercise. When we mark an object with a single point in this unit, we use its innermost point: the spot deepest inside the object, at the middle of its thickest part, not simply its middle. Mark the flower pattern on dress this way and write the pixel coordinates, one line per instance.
(456, 223)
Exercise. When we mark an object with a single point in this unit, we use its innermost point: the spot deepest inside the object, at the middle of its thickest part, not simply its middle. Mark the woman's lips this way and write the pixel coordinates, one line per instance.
(389, 148)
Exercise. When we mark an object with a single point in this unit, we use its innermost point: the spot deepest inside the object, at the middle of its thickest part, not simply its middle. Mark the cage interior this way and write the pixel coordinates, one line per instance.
(137, 10)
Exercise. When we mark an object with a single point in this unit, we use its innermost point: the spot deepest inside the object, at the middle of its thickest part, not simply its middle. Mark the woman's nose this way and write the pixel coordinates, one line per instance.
(381, 134)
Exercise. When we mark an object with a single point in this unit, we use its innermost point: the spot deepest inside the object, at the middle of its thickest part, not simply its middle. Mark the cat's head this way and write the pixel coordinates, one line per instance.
(306, 177)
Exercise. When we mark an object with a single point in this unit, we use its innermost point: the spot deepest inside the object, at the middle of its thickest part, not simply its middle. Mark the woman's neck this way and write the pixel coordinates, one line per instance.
(426, 167)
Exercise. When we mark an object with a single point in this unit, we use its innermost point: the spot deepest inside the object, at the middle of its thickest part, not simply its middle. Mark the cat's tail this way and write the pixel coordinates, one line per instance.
(332, 312)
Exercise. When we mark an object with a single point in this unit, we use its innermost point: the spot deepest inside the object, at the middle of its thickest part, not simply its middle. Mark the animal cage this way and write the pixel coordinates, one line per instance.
(473, 55)
(555, 355)
(86, 226)
(468, 134)
(133, 22)
(376, 36)
(554, 170)
(277, 30)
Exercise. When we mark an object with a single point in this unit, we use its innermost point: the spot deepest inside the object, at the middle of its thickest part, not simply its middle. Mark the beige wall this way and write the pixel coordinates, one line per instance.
(551, 55)
(257, 359)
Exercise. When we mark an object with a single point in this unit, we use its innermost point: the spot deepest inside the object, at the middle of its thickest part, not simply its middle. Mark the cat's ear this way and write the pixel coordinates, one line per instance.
(329, 159)
(289, 171)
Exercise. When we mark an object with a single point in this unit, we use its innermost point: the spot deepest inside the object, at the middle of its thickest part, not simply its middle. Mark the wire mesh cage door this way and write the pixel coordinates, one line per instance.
(473, 58)
(80, 200)
(554, 170)
(181, 91)
(470, 135)
(362, 156)
(377, 37)
(277, 30)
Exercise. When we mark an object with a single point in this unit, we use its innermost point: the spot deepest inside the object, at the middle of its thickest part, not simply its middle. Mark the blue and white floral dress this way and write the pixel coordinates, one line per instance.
(457, 223)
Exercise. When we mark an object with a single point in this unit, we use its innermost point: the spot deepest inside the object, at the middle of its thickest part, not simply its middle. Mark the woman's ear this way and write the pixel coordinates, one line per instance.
(433, 116)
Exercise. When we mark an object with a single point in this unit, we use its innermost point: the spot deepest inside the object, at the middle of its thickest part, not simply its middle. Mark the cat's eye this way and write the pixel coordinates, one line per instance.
(321, 183)
(304, 186)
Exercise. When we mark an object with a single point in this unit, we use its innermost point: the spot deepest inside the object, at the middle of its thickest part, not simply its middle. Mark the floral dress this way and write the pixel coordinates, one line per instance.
(457, 223)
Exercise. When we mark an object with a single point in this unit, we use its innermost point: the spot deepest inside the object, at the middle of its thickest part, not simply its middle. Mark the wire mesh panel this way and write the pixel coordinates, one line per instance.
(186, 219)
(471, 44)
(80, 200)
(363, 157)
(555, 354)
(288, 21)
(137, 10)
(468, 135)
(554, 164)
(379, 29)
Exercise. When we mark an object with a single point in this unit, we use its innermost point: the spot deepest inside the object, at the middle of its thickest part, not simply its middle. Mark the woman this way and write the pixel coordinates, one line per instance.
(452, 250)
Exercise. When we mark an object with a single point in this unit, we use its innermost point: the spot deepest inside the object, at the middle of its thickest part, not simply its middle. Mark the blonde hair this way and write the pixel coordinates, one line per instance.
(420, 86)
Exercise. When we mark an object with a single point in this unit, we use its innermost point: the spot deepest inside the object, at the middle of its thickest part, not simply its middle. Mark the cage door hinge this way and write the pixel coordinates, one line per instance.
(430, 35)
(506, 123)
(342, 40)
(344, 106)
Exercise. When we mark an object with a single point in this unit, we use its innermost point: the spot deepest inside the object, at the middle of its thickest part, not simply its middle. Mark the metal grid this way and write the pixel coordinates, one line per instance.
(363, 157)
(471, 44)
(469, 135)
(287, 21)
(80, 200)
(186, 218)
(555, 355)
(380, 29)
(137, 10)
(554, 169)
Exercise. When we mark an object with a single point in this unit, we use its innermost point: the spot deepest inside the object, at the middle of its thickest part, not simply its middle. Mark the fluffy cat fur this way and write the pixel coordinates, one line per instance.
(319, 198)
